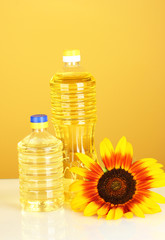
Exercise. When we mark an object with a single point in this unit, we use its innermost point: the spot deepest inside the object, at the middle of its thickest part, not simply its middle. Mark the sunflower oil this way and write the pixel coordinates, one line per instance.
(40, 168)
(73, 100)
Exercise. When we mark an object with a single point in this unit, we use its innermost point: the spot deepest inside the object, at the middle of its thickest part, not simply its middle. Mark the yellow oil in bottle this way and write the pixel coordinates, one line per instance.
(73, 100)
(40, 169)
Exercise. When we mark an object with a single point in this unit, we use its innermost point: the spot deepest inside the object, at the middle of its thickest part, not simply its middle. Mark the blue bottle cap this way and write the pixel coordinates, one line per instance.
(38, 118)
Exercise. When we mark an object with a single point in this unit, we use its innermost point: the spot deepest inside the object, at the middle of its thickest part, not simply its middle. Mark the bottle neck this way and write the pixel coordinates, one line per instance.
(71, 64)
(38, 130)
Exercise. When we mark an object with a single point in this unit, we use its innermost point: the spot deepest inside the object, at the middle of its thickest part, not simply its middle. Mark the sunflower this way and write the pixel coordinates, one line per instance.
(119, 189)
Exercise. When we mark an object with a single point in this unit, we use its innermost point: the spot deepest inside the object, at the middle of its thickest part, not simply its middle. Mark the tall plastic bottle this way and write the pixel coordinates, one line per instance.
(73, 100)
(40, 168)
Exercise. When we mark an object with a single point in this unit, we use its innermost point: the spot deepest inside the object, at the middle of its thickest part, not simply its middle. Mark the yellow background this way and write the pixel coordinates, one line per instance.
(122, 43)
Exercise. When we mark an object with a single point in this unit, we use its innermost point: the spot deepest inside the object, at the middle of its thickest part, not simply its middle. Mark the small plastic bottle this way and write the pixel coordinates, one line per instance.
(40, 168)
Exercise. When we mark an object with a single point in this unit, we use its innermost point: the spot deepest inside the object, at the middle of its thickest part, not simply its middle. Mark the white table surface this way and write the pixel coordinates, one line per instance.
(65, 224)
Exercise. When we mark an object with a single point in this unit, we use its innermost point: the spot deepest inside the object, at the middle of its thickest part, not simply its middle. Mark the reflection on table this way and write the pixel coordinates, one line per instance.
(43, 226)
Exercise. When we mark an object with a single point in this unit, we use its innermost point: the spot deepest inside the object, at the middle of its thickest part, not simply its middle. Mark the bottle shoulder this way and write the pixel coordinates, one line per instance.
(40, 140)
(72, 77)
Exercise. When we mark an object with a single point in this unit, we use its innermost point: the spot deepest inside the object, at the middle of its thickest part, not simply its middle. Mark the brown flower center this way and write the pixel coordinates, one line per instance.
(116, 186)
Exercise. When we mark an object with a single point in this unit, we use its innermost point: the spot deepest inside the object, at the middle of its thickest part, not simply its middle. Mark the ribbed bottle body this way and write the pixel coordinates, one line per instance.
(73, 100)
(41, 172)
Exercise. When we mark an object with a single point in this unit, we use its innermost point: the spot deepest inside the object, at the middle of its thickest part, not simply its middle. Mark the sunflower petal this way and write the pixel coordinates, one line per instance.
(142, 163)
(128, 215)
(160, 176)
(155, 165)
(147, 161)
(76, 186)
(118, 213)
(150, 203)
(84, 173)
(145, 209)
(104, 151)
(157, 183)
(110, 214)
(124, 153)
(155, 171)
(108, 145)
(129, 149)
(91, 209)
(157, 197)
(103, 210)
(89, 162)
(80, 171)
(80, 208)
(107, 153)
(121, 146)
(128, 162)
(155, 210)
(145, 173)
(77, 202)
(137, 211)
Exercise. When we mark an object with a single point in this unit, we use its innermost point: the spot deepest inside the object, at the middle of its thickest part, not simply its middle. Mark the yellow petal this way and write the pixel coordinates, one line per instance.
(121, 146)
(150, 203)
(80, 208)
(154, 171)
(86, 160)
(103, 210)
(118, 213)
(77, 202)
(145, 209)
(160, 176)
(156, 210)
(129, 149)
(80, 171)
(137, 211)
(104, 151)
(76, 186)
(154, 168)
(157, 183)
(110, 214)
(91, 209)
(156, 165)
(128, 215)
(109, 145)
(147, 161)
(157, 197)
(143, 163)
